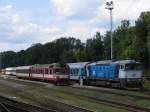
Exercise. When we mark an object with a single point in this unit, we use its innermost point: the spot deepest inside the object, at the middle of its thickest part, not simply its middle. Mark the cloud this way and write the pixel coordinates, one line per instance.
(15, 28)
(75, 8)
(82, 30)
(13, 46)
(123, 9)
(77, 18)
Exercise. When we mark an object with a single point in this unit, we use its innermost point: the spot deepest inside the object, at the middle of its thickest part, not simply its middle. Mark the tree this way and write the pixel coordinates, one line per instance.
(94, 48)
(107, 46)
(141, 48)
(122, 40)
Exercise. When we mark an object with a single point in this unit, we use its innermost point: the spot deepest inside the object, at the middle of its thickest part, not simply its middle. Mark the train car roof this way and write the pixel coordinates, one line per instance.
(102, 62)
(23, 67)
(47, 65)
(10, 68)
(77, 65)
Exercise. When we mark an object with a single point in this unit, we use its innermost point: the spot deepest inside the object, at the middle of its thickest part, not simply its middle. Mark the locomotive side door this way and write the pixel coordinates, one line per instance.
(122, 71)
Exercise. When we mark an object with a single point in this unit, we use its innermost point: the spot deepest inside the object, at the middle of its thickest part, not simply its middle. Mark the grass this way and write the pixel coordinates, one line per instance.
(76, 101)
(43, 94)
(147, 85)
(143, 103)
(102, 95)
(11, 93)
(90, 93)
(137, 92)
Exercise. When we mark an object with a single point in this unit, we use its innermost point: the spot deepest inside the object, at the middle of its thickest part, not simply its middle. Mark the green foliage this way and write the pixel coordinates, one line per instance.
(94, 48)
(124, 37)
(141, 48)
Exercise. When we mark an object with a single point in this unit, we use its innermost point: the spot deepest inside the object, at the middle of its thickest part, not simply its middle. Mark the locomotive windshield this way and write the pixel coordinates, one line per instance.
(133, 67)
(60, 71)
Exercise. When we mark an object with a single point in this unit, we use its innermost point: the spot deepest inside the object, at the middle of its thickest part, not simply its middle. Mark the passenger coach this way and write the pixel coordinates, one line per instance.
(48, 72)
(10, 71)
(77, 71)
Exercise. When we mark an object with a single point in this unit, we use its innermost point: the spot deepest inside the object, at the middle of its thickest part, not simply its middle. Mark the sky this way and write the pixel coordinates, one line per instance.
(26, 22)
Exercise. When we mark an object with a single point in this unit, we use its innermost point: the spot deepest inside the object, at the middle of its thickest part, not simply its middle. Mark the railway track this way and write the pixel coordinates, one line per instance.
(115, 104)
(8, 105)
(112, 92)
(94, 89)
(111, 103)
(11, 108)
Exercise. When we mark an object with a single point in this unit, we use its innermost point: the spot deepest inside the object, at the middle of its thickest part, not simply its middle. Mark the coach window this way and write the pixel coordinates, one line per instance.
(50, 72)
(46, 71)
(37, 71)
(76, 71)
(73, 71)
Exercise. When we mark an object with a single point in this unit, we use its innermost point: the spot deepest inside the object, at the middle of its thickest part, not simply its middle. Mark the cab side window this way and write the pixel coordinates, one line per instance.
(121, 67)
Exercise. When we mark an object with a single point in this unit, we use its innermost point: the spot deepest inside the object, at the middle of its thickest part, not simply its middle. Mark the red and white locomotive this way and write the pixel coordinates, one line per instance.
(48, 72)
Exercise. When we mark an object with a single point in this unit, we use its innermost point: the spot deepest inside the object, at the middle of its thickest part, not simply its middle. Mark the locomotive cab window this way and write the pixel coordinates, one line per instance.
(121, 67)
(133, 67)
(57, 71)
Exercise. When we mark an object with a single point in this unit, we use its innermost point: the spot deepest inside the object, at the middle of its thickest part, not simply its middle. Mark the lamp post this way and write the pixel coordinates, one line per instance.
(109, 6)
(0, 60)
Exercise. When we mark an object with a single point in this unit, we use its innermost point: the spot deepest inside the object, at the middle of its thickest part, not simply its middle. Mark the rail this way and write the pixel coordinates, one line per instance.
(111, 103)
(112, 92)
(9, 105)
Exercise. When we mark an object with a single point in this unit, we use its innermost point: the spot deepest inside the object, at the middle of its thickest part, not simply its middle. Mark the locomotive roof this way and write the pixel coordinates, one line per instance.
(126, 62)
(114, 62)
(77, 65)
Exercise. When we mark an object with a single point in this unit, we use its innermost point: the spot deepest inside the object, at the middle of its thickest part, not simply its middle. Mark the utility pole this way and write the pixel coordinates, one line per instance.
(109, 6)
(0, 60)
